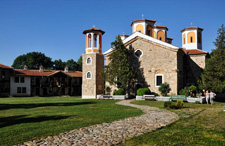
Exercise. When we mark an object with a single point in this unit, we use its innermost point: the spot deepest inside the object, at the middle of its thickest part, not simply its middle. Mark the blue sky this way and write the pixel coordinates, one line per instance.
(54, 27)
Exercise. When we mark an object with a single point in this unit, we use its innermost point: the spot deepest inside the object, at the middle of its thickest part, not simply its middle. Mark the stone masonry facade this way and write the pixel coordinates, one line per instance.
(169, 62)
(94, 85)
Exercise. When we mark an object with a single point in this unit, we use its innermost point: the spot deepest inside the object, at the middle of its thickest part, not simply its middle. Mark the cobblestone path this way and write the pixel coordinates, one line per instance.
(112, 133)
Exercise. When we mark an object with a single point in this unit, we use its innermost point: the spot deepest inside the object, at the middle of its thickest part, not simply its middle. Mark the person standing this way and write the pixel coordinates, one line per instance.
(207, 96)
(211, 95)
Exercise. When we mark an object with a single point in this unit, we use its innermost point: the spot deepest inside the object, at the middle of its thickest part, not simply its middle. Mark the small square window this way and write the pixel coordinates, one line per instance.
(16, 79)
(22, 80)
(18, 89)
(158, 80)
(24, 89)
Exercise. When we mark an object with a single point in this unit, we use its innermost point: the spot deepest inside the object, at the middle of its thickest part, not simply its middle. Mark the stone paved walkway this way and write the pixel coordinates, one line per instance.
(115, 132)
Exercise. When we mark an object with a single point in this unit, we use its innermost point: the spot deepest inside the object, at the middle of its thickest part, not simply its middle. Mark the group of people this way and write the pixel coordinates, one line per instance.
(209, 96)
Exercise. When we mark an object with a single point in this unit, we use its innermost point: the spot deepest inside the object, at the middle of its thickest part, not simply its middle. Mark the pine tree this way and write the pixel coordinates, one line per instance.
(213, 76)
(121, 70)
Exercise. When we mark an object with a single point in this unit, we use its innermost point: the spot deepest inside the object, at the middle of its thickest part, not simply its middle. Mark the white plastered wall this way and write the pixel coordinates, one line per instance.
(187, 45)
(13, 86)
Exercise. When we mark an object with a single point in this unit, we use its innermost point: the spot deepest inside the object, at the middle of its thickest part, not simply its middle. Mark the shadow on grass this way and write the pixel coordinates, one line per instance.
(13, 120)
(35, 105)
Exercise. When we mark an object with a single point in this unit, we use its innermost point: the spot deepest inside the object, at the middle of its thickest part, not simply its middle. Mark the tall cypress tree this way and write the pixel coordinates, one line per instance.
(121, 69)
(213, 76)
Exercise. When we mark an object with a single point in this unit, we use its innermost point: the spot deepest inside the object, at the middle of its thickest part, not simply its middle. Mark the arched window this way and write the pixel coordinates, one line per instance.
(88, 60)
(161, 35)
(149, 30)
(88, 75)
(140, 28)
(89, 41)
(95, 40)
(184, 39)
(191, 37)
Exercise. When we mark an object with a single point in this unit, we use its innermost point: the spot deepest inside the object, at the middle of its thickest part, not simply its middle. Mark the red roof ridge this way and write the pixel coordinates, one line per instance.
(5, 66)
(148, 20)
(47, 73)
(194, 51)
(93, 29)
(192, 27)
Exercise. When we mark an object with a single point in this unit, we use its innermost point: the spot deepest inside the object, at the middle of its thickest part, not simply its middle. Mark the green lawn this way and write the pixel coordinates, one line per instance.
(26, 118)
(199, 124)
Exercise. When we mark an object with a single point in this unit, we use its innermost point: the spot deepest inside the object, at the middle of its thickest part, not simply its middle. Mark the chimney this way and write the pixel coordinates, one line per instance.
(66, 69)
(25, 67)
(41, 69)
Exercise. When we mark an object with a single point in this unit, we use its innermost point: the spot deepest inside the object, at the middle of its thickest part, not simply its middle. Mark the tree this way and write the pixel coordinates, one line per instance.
(32, 60)
(79, 62)
(121, 70)
(213, 76)
(72, 65)
(164, 89)
(59, 65)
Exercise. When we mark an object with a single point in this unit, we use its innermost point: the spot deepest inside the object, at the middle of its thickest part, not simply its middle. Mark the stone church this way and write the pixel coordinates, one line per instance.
(160, 61)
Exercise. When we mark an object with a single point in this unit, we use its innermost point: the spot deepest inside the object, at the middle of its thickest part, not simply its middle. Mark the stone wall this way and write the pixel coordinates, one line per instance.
(93, 86)
(196, 65)
(156, 59)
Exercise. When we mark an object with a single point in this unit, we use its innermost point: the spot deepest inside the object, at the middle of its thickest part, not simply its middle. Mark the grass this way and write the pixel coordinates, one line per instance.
(23, 119)
(202, 125)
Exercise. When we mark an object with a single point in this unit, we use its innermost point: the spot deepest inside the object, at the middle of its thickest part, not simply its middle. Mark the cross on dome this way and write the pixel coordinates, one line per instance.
(142, 16)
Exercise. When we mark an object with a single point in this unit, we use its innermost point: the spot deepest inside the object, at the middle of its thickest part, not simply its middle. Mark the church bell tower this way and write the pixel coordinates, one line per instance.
(92, 64)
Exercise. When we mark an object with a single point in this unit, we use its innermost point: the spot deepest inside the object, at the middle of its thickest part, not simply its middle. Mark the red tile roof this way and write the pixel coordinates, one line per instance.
(141, 20)
(93, 29)
(5, 66)
(191, 28)
(194, 51)
(74, 74)
(45, 73)
(158, 26)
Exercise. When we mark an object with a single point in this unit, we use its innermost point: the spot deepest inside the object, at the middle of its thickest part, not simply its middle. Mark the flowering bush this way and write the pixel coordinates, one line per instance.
(189, 91)
(178, 105)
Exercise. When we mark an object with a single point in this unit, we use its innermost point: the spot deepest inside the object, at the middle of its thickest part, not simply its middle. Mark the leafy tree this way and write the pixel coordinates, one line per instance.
(79, 62)
(32, 60)
(72, 65)
(213, 76)
(121, 70)
(164, 89)
(59, 65)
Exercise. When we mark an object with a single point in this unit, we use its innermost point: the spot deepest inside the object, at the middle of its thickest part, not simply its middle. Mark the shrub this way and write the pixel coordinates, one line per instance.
(167, 104)
(164, 89)
(143, 91)
(182, 92)
(197, 102)
(189, 91)
(156, 94)
(120, 91)
(179, 104)
(172, 106)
